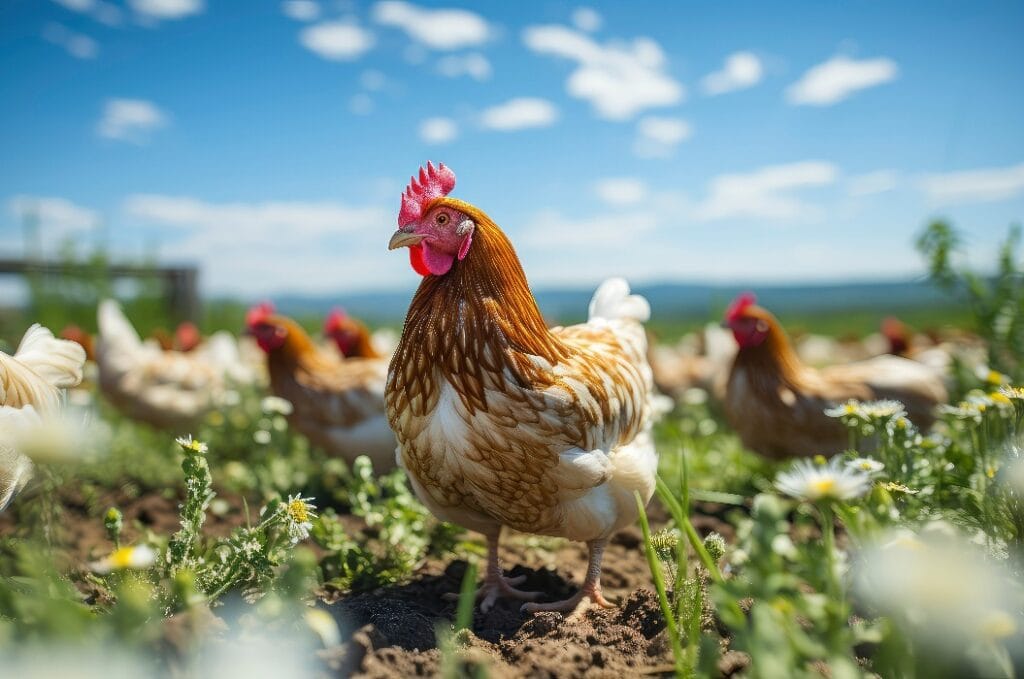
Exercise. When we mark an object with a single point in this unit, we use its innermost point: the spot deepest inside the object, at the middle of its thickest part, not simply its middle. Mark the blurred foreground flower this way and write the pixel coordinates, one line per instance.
(942, 588)
(813, 482)
(138, 556)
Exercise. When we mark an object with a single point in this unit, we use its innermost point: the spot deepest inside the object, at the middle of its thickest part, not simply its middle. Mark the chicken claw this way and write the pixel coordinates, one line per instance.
(575, 606)
(496, 585)
(589, 594)
(495, 588)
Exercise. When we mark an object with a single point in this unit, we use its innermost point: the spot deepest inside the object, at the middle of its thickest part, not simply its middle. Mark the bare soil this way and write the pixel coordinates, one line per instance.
(392, 631)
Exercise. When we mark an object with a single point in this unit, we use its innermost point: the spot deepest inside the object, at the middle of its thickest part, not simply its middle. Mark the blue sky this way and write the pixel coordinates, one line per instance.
(749, 142)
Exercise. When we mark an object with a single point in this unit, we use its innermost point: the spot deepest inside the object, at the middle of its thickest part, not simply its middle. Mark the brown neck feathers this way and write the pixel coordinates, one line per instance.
(479, 316)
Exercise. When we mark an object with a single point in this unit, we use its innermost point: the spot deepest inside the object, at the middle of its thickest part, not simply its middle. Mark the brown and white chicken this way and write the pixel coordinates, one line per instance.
(32, 382)
(777, 404)
(338, 404)
(501, 421)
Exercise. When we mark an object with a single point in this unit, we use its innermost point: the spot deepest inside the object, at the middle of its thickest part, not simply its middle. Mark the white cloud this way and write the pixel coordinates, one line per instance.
(439, 29)
(337, 40)
(360, 104)
(619, 80)
(836, 79)
(76, 44)
(76, 5)
(130, 120)
(160, 10)
(104, 12)
(373, 80)
(330, 245)
(438, 130)
(619, 191)
(766, 193)
(58, 217)
(586, 19)
(298, 218)
(870, 183)
(983, 185)
(473, 64)
(301, 10)
(549, 228)
(741, 70)
(519, 113)
(658, 136)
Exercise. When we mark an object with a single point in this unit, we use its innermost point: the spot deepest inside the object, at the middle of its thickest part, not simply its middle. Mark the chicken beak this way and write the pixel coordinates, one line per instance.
(403, 239)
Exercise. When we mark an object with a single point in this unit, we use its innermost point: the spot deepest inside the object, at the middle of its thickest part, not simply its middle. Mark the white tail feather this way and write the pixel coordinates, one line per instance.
(612, 301)
(59, 362)
(115, 329)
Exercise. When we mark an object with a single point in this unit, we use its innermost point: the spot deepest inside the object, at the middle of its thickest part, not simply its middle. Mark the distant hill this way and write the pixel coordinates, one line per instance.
(668, 300)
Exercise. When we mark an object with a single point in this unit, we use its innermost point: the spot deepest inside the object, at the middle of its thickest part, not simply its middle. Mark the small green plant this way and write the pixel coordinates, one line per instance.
(996, 301)
(399, 533)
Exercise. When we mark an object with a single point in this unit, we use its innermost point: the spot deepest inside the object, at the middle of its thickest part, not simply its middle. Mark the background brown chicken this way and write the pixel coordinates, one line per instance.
(777, 404)
(501, 421)
(338, 404)
(350, 335)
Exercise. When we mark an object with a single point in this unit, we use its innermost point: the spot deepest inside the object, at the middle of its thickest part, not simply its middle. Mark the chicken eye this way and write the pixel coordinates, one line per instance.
(442, 219)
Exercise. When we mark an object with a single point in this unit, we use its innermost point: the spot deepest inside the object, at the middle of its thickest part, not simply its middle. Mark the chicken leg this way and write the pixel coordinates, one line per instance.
(589, 592)
(496, 585)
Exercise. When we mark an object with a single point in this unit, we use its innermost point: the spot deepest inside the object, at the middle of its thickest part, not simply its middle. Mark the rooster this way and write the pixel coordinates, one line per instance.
(32, 382)
(337, 404)
(501, 421)
(777, 404)
(351, 337)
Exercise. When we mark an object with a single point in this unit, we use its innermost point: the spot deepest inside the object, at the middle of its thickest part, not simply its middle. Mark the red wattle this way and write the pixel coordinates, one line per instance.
(416, 259)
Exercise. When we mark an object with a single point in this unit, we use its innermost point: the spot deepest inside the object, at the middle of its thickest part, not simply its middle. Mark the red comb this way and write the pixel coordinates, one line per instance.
(433, 183)
(259, 313)
(739, 305)
(334, 318)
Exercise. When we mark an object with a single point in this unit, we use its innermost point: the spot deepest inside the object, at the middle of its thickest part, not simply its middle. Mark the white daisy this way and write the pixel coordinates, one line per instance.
(865, 465)
(276, 405)
(813, 482)
(190, 446)
(139, 556)
(943, 587)
(297, 512)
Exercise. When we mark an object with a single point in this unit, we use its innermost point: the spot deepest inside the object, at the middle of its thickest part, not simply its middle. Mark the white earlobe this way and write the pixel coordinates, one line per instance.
(464, 227)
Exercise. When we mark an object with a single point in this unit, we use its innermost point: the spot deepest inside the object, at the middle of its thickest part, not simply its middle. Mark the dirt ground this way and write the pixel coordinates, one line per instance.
(390, 631)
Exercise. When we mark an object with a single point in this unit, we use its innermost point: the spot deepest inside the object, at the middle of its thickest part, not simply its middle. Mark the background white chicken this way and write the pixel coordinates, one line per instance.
(165, 388)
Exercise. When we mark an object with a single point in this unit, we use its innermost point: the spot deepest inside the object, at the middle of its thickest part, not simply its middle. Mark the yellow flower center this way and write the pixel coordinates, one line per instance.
(990, 472)
(298, 511)
(998, 625)
(122, 558)
(849, 409)
(999, 398)
(822, 487)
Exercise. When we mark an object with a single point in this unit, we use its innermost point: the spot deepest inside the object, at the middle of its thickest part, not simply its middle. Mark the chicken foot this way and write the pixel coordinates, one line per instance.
(496, 585)
(589, 593)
